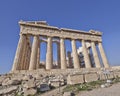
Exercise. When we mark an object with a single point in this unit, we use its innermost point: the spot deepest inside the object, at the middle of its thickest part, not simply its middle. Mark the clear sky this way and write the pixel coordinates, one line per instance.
(102, 15)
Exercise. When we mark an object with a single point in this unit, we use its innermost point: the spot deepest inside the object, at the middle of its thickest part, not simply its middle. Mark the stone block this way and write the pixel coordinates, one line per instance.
(37, 76)
(44, 87)
(117, 74)
(8, 90)
(11, 82)
(68, 94)
(29, 84)
(110, 76)
(91, 77)
(1, 79)
(75, 79)
(30, 92)
(5, 82)
(102, 76)
(55, 84)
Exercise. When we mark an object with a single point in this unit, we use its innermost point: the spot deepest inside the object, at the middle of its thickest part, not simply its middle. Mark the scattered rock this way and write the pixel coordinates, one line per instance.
(11, 82)
(8, 90)
(30, 92)
(29, 84)
(68, 94)
(109, 81)
(102, 86)
(37, 77)
(5, 82)
(44, 87)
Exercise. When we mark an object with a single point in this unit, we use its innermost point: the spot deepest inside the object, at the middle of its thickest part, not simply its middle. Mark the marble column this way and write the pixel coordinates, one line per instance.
(28, 52)
(38, 56)
(33, 58)
(86, 56)
(63, 54)
(95, 55)
(49, 54)
(19, 51)
(75, 55)
(104, 58)
(28, 57)
(25, 60)
(23, 55)
(58, 54)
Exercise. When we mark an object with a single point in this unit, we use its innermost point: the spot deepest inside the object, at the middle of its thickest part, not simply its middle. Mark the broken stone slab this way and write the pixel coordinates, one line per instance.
(109, 81)
(17, 78)
(29, 84)
(55, 84)
(68, 94)
(5, 82)
(30, 91)
(91, 77)
(8, 90)
(117, 74)
(26, 77)
(43, 87)
(102, 76)
(2, 78)
(75, 79)
(37, 76)
(12, 82)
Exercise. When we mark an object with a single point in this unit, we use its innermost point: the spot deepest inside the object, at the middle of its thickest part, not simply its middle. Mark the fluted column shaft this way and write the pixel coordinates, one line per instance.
(95, 55)
(58, 54)
(17, 59)
(25, 58)
(33, 59)
(104, 58)
(75, 55)
(38, 56)
(28, 53)
(28, 57)
(49, 54)
(62, 54)
(86, 56)
(23, 55)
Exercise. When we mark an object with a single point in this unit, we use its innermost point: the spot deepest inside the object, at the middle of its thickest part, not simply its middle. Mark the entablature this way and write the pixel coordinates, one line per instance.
(46, 30)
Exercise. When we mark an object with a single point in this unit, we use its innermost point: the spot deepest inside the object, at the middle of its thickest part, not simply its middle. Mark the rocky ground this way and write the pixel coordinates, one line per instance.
(35, 83)
(113, 90)
(24, 85)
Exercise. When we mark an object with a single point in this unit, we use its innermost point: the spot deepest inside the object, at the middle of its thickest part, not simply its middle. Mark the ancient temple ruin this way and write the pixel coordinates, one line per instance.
(28, 52)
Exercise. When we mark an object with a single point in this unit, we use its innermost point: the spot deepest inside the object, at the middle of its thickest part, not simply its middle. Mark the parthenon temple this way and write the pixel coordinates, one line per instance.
(33, 33)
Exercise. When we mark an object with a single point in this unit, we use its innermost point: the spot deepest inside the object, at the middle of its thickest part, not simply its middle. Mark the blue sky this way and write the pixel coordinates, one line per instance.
(102, 15)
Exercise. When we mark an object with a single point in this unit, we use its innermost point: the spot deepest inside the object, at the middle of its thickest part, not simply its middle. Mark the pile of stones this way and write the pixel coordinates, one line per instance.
(24, 84)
